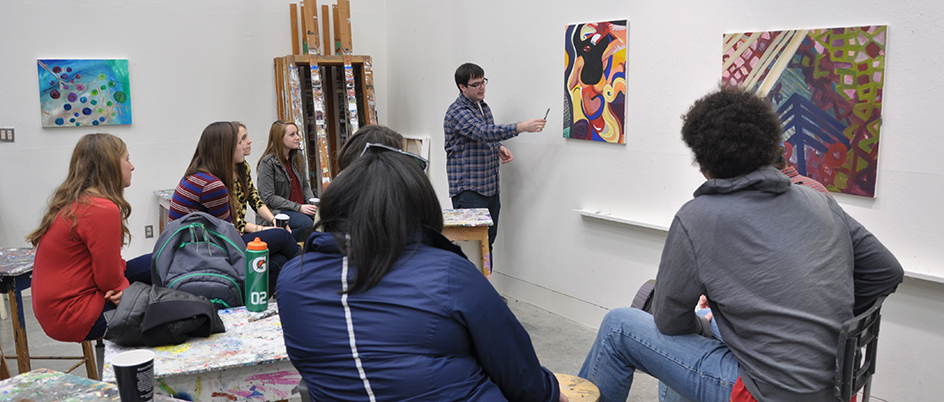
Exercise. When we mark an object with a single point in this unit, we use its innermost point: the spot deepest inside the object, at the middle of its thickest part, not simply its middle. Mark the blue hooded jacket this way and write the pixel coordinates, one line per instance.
(433, 329)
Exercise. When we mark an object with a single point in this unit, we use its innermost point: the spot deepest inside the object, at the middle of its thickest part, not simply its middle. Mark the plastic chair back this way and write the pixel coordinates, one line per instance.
(855, 356)
(303, 390)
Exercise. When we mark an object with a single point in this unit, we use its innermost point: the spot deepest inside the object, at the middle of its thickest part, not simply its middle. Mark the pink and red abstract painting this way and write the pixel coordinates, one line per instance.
(595, 81)
(827, 87)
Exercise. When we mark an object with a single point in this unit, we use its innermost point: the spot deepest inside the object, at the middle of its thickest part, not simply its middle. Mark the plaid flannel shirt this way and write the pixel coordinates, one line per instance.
(801, 180)
(472, 142)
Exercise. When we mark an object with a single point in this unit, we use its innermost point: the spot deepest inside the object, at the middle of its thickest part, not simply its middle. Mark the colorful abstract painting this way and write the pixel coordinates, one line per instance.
(827, 87)
(595, 81)
(84, 92)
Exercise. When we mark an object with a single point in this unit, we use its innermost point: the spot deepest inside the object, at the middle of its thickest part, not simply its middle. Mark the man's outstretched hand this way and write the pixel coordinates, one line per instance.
(531, 126)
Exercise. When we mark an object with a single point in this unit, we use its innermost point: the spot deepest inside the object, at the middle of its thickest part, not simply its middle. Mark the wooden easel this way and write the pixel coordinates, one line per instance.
(329, 92)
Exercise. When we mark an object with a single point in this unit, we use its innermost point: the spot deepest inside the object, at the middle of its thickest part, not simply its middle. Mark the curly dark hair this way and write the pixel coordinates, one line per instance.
(732, 133)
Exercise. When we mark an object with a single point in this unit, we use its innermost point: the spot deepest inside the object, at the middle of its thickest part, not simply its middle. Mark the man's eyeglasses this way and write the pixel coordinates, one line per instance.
(420, 161)
(478, 84)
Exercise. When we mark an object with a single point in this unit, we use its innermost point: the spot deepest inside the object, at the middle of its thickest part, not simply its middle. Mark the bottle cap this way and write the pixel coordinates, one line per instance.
(257, 245)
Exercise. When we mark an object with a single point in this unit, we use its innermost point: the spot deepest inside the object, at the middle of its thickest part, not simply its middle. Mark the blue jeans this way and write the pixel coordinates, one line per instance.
(698, 368)
(300, 223)
(136, 270)
(667, 394)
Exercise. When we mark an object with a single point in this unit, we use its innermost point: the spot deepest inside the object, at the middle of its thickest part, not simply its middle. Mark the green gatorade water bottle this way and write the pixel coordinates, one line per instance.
(257, 275)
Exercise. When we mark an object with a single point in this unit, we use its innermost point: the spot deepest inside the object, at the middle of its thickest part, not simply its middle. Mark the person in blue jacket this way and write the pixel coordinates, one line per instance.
(382, 307)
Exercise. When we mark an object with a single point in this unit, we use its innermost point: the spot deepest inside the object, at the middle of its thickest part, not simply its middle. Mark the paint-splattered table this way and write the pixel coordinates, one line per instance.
(247, 362)
(16, 275)
(470, 224)
(163, 199)
(42, 385)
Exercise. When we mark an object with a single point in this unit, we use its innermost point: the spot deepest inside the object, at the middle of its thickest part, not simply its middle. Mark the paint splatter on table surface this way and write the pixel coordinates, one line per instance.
(16, 261)
(250, 339)
(42, 385)
(467, 217)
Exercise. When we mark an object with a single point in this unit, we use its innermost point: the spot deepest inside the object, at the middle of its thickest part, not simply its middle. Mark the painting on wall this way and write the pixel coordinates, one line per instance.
(84, 92)
(595, 81)
(826, 85)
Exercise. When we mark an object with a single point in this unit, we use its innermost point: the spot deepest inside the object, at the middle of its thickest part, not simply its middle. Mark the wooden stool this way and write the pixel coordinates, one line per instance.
(4, 370)
(577, 389)
(88, 359)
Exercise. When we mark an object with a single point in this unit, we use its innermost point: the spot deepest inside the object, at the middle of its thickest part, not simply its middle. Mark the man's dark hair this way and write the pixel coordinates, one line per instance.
(732, 133)
(467, 72)
(374, 210)
(373, 133)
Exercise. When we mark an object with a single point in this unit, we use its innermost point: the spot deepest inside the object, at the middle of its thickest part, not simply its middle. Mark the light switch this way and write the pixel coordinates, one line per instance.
(6, 134)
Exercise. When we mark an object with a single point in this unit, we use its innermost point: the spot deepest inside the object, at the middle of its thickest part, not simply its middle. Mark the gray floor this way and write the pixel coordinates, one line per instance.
(561, 345)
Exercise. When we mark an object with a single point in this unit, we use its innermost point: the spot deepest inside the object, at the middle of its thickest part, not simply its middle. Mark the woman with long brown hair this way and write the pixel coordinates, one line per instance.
(214, 183)
(282, 182)
(79, 273)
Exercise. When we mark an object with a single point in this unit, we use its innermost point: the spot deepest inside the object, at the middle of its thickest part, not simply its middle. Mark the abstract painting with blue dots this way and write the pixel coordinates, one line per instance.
(84, 92)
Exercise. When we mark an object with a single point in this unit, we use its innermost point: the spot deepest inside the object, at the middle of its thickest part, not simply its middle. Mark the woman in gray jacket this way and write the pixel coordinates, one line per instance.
(282, 182)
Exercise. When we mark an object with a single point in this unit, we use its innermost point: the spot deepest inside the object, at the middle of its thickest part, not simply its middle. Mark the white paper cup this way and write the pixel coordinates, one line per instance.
(281, 220)
(134, 371)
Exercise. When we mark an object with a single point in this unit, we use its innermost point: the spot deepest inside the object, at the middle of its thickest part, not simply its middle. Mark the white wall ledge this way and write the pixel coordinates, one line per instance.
(619, 219)
(925, 276)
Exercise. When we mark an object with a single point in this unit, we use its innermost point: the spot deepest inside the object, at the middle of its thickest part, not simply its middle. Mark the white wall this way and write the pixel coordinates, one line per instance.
(547, 254)
(193, 63)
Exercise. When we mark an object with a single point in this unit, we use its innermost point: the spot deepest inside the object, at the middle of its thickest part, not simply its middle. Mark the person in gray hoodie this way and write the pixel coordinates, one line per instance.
(782, 267)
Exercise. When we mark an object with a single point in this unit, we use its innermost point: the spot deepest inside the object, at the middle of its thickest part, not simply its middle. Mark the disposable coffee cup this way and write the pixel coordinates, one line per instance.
(281, 220)
(134, 371)
(313, 201)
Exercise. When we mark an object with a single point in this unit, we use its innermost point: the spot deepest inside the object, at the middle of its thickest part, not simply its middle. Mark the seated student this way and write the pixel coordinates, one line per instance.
(244, 174)
(218, 166)
(383, 306)
(78, 273)
(781, 266)
(354, 147)
(282, 184)
(375, 134)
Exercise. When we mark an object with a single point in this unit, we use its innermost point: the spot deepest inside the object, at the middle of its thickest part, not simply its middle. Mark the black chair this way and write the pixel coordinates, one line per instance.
(855, 356)
(303, 390)
(643, 298)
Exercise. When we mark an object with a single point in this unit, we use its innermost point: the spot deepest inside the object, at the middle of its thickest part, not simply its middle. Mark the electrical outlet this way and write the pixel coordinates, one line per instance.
(6, 134)
(149, 231)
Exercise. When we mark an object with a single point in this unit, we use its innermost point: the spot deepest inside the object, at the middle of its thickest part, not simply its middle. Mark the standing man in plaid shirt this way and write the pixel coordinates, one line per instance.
(473, 146)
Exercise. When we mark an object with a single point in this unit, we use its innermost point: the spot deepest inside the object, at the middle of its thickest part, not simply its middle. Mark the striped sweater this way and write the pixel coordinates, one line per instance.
(200, 192)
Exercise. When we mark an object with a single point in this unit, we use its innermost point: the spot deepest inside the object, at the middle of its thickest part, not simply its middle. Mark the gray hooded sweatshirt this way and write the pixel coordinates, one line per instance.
(783, 266)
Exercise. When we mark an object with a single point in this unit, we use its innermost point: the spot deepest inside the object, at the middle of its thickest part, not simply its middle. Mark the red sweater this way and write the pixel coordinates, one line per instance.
(71, 275)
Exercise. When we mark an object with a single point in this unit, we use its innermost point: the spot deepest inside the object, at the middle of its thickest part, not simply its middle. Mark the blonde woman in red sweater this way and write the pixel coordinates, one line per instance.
(79, 273)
